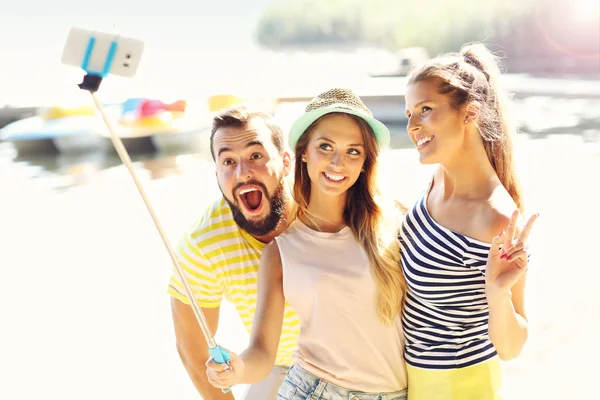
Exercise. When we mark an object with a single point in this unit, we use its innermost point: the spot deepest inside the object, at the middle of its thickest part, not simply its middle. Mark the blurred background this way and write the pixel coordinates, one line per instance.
(83, 271)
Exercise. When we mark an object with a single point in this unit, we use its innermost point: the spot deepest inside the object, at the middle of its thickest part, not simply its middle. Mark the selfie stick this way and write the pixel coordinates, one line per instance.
(91, 83)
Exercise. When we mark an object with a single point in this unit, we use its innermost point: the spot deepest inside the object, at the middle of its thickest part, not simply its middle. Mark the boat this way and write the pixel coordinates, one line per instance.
(56, 129)
(183, 128)
(29, 136)
(10, 114)
(144, 125)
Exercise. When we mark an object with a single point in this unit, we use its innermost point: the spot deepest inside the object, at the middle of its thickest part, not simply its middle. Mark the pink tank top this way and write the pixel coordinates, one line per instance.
(327, 280)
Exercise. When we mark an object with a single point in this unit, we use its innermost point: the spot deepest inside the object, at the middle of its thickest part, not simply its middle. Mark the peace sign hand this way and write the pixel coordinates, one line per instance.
(507, 259)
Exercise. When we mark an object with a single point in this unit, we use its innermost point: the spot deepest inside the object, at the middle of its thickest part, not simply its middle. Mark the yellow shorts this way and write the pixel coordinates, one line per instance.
(477, 382)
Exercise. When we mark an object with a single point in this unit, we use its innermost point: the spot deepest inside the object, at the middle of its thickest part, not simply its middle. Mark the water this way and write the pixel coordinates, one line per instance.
(85, 314)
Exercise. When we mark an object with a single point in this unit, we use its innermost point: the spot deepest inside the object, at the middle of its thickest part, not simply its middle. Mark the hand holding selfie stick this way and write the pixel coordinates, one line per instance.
(100, 54)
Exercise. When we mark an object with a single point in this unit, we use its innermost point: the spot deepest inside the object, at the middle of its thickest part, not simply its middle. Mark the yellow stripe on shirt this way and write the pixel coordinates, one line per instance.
(219, 260)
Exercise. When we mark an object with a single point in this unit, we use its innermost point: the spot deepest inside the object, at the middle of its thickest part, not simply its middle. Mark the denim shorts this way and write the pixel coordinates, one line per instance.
(302, 385)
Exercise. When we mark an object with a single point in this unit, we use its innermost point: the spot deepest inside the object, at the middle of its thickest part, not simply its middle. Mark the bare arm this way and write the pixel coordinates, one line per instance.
(508, 327)
(505, 289)
(259, 357)
(256, 362)
(192, 347)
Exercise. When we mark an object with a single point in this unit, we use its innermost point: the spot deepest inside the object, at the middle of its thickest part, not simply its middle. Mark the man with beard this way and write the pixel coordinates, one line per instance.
(221, 252)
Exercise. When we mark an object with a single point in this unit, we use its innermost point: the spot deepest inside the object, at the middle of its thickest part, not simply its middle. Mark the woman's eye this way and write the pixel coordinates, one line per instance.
(324, 146)
(425, 109)
(354, 152)
(256, 156)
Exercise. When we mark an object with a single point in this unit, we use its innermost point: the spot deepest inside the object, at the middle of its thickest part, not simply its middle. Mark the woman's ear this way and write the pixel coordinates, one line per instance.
(287, 163)
(471, 111)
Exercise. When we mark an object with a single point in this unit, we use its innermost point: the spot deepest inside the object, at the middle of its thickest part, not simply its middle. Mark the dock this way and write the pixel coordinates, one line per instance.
(385, 95)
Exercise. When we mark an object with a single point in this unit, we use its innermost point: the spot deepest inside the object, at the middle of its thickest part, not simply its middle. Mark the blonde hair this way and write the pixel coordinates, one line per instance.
(472, 76)
(376, 230)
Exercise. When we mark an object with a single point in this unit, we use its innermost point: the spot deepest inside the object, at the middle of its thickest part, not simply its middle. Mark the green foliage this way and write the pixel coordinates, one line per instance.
(438, 25)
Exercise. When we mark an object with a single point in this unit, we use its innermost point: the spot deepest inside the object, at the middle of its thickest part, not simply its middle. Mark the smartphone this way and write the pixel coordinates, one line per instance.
(101, 53)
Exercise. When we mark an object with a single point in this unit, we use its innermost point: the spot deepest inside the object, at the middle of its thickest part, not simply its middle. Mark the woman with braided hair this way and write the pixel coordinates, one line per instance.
(463, 249)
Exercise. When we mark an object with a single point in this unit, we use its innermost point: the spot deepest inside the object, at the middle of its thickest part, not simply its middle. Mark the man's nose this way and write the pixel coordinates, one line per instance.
(243, 172)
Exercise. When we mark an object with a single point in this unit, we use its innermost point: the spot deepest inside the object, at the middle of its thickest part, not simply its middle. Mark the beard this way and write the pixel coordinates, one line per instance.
(269, 223)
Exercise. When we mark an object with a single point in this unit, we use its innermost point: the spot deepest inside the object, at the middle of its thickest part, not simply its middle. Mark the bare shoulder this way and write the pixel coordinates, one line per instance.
(271, 251)
(497, 213)
(270, 259)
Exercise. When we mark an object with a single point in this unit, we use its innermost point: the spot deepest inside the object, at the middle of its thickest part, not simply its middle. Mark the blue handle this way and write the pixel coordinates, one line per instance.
(221, 356)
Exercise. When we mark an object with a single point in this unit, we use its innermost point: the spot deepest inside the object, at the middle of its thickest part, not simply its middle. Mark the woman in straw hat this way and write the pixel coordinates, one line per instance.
(464, 258)
(337, 264)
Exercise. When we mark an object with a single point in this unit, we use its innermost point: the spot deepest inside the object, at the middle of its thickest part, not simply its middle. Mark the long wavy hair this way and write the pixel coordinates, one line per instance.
(374, 222)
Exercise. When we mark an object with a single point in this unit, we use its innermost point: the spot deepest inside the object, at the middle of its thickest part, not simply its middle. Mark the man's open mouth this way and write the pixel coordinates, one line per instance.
(252, 198)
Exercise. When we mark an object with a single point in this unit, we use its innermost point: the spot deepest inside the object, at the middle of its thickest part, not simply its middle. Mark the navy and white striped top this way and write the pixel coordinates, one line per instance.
(445, 318)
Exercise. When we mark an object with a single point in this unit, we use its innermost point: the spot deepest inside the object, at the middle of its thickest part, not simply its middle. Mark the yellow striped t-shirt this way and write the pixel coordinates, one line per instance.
(220, 259)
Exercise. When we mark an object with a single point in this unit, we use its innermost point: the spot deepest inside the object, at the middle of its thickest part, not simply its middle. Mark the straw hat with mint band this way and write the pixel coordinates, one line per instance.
(342, 101)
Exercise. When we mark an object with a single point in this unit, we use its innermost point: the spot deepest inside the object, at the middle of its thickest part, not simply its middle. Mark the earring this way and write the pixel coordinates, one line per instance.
(466, 121)
(303, 159)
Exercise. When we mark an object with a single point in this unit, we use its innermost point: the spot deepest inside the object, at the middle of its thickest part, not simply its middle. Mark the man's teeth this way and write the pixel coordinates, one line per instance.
(334, 177)
(424, 140)
(248, 190)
